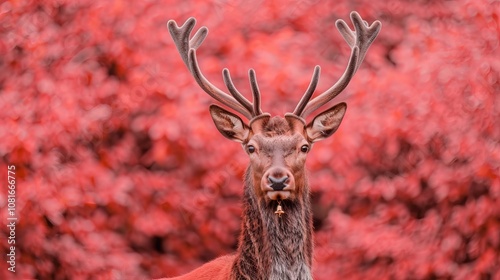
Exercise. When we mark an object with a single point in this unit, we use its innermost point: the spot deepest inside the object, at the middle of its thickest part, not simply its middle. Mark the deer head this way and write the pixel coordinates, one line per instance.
(277, 146)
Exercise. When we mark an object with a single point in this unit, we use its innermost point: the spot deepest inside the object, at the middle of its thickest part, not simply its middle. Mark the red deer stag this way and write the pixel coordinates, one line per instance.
(276, 239)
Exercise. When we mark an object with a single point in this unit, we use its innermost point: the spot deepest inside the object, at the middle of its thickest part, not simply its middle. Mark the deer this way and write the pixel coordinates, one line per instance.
(276, 238)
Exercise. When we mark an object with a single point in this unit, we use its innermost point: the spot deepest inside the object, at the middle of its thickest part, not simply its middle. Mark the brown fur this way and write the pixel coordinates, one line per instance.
(276, 126)
(271, 247)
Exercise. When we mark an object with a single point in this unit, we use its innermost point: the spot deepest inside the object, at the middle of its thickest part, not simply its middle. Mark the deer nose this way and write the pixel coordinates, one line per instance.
(278, 184)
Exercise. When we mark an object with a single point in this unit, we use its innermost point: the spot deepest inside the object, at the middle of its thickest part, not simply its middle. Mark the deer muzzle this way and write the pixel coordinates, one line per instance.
(278, 184)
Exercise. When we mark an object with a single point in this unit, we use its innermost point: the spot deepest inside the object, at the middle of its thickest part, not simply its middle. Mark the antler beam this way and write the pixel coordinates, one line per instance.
(187, 49)
(359, 40)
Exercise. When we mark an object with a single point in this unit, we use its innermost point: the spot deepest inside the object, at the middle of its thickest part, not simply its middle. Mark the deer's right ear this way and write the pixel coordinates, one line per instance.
(229, 125)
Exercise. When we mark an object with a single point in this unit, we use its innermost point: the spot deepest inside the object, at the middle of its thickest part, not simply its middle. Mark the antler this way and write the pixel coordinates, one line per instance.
(187, 49)
(359, 40)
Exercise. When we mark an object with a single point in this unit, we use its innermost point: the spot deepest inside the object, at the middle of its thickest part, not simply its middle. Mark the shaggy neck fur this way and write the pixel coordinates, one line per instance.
(271, 247)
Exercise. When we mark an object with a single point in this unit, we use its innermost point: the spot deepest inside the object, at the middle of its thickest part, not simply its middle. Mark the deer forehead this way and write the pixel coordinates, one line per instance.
(277, 143)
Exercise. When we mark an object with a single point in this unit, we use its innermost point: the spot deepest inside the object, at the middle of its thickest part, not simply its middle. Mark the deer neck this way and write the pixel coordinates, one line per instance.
(272, 247)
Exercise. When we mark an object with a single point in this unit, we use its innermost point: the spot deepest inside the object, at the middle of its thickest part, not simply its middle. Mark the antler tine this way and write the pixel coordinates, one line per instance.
(187, 49)
(309, 92)
(255, 92)
(359, 40)
(337, 88)
(234, 92)
(212, 90)
(364, 34)
(181, 37)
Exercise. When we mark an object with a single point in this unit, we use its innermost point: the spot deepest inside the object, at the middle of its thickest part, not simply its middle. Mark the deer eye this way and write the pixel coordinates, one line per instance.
(251, 149)
(304, 148)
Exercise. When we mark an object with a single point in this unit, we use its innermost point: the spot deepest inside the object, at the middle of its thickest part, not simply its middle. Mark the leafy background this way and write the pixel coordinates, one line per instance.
(122, 175)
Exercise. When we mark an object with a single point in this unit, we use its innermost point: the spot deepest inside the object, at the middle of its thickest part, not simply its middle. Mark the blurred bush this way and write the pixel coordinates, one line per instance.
(121, 173)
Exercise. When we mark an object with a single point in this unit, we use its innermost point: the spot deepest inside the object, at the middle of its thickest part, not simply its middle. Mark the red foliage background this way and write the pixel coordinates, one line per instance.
(121, 173)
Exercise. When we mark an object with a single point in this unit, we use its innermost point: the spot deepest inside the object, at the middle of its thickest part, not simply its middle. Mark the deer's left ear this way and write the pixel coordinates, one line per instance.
(326, 123)
(229, 125)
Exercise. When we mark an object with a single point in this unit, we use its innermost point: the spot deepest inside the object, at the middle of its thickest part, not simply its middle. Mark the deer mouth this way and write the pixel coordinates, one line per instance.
(278, 195)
